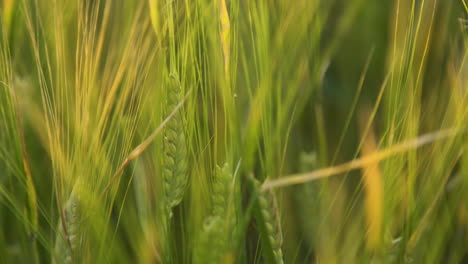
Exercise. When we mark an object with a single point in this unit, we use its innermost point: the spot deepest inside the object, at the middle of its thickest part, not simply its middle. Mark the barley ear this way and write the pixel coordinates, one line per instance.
(68, 237)
(174, 145)
(221, 190)
(211, 244)
(266, 215)
(306, 198)
(219, 227)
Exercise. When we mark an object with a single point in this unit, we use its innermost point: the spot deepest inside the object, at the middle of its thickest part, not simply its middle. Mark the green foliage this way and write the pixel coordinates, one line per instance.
(115, 118)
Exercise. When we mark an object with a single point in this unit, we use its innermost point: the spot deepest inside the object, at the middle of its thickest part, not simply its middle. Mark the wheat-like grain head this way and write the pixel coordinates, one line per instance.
(68, 238)
(267, 218)
(175, 150)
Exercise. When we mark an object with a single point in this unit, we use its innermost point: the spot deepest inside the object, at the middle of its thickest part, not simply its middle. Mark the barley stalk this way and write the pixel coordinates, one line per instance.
(154, 13)
(372, 179)
(364, 161)
(7, 14)
(225, 34)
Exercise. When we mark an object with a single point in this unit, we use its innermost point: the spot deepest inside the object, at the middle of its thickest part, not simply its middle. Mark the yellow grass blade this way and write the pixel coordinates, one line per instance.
(225, 34)
(363, 161)
(372, 178)
(7, 15)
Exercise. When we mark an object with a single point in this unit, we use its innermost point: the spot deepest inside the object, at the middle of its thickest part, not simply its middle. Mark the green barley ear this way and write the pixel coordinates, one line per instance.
(174, 144)
(219, 228)
(308, 161)
(211, 244)
(224, 197)
(222, 190)
(68, 238)
(267, 218)
(306, 198)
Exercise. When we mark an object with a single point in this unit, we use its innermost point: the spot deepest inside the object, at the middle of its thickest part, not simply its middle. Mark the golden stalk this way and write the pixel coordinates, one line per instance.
(372, 178)
(225, 34)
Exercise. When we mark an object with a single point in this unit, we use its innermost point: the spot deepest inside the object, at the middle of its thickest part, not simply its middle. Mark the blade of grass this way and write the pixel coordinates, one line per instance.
(363, 161)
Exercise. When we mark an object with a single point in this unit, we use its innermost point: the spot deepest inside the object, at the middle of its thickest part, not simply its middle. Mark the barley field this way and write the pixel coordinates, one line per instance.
(233, 131)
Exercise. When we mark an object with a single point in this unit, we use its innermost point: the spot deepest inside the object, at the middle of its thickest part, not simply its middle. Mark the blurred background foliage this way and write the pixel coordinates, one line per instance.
(273, 88)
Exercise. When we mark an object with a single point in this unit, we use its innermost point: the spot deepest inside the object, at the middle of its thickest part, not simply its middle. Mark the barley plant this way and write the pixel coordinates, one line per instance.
(233, 131)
